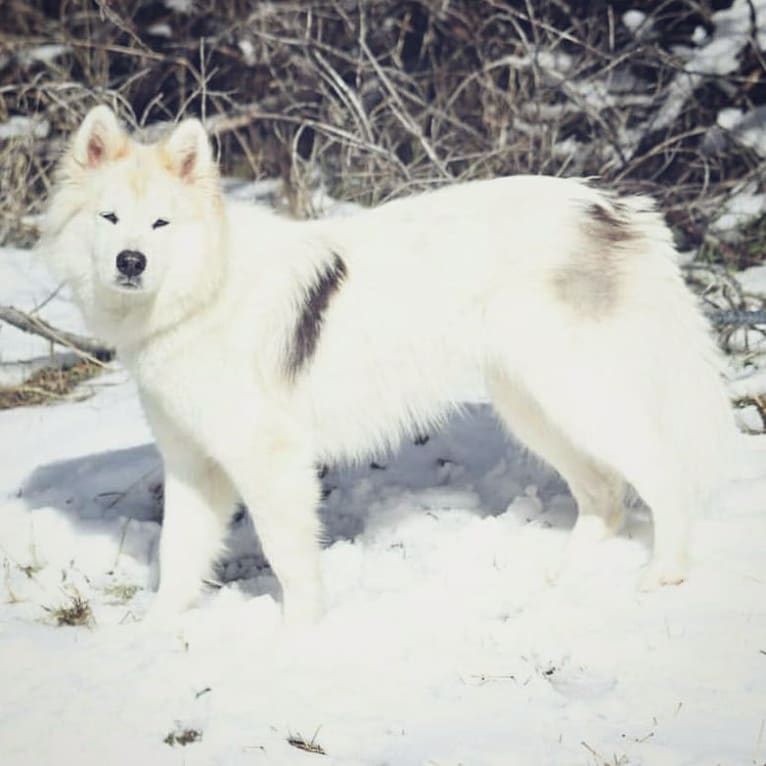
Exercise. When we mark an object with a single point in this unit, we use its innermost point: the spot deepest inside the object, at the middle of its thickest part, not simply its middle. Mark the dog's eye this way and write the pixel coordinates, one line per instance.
(159, 223)
(111, 217)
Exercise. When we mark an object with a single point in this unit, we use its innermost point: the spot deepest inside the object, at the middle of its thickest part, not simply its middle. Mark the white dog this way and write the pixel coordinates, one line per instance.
(263, 346)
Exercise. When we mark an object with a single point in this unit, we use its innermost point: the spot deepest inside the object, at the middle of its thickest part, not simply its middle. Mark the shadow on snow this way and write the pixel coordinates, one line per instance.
(469, 465)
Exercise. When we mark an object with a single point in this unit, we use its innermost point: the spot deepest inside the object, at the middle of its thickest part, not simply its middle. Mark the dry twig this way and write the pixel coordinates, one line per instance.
(94, 351)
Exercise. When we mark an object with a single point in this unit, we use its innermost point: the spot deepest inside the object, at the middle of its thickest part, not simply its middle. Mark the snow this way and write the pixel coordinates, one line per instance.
(715, 56)
(180, 6)
(748, 129)
(742, 205)
(248, 51)
(444, 640)
(633, 19)
(17, 126)
(753, 280)
(160, 30)
(732, 32)
(699, 36)
(31, 286)
(750, 385)
(43, 53)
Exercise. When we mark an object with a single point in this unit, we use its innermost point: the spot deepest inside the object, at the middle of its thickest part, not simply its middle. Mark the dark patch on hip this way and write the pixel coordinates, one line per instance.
(609, 226)
(589, 282)
(309, 325)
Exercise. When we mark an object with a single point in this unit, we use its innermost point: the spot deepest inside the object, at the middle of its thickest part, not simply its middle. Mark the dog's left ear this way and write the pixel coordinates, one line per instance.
(188, 151)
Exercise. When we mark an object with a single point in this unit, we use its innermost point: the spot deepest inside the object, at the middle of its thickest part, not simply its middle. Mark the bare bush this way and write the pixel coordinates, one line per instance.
(383, 97)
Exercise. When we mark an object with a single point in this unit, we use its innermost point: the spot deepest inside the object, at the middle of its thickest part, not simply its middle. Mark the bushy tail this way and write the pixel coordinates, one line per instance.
(699, 418)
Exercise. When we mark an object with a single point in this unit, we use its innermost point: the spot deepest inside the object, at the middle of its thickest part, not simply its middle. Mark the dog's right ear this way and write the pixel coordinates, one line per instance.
(99, 139)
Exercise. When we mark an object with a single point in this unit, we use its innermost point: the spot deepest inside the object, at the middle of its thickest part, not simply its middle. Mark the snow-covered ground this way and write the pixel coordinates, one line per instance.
(444, 642)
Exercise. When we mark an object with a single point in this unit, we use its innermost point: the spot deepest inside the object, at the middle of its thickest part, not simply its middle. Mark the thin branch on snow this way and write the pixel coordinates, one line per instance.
(733, 318)
(89, 348)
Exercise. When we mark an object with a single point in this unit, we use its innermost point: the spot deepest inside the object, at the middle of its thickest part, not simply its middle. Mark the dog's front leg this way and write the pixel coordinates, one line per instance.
(278, 483)
(199, 502)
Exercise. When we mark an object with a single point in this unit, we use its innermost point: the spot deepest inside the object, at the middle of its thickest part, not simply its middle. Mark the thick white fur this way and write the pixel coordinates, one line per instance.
(611, 384)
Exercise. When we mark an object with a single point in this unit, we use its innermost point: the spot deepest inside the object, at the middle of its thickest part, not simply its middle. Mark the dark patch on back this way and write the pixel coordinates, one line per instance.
(315, 303)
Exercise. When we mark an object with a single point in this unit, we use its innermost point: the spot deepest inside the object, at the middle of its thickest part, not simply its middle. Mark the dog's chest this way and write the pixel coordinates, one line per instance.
(194, 389)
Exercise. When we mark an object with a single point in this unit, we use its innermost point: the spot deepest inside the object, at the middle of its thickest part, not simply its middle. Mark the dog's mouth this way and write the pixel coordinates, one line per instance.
(128, 283)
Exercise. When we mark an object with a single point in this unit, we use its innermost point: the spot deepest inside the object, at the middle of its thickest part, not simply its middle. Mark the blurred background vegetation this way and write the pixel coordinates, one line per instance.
(382, 98)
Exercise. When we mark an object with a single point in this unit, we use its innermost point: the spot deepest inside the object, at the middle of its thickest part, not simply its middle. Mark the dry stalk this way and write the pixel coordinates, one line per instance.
(385, 97)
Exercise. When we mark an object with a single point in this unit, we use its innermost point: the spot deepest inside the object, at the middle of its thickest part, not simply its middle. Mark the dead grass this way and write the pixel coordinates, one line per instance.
(308, 746)
(120, 593)
(183, 737)
(385, 97)
(75, 611)
(49, 385)
(759, 403)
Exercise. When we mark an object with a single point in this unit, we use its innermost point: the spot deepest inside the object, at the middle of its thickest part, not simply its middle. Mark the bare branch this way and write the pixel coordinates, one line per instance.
(737, 318)
(87, 348)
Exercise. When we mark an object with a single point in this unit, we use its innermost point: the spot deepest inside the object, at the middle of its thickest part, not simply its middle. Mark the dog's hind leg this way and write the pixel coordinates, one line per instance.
(672, 512)
(598, 491)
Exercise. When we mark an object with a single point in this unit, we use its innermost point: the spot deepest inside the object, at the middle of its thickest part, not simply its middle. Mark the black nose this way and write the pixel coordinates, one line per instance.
(131, 263)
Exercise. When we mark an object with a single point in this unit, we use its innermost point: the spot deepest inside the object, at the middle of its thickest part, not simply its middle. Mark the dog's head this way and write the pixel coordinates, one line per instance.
(135, 220)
